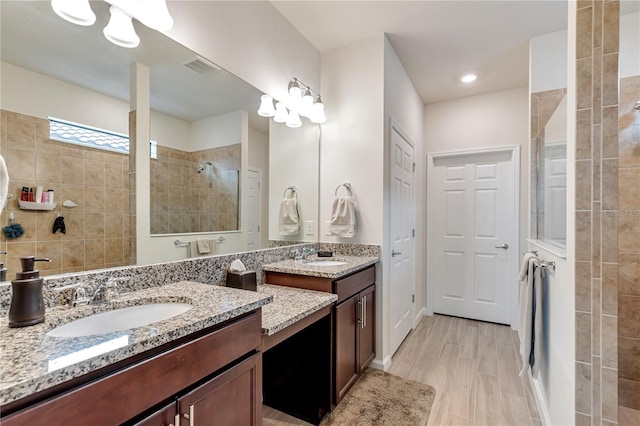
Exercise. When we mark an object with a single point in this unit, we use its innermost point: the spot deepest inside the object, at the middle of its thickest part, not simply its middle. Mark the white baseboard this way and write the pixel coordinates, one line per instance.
(419, 316)
(381, 365)
(538, 394)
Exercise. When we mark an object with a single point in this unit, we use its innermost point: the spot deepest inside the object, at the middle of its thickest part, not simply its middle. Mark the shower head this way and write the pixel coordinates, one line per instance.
(202, 167)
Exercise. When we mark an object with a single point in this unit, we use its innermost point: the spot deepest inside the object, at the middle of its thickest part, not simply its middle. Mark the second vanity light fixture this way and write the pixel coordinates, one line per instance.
(152, 13)
(300, 102)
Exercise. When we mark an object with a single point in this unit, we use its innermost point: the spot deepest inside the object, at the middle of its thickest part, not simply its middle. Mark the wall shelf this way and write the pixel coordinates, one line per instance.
(30, 205)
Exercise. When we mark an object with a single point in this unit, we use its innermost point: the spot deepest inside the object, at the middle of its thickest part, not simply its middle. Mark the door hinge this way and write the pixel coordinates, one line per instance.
(259, 185)
(413, 298)
(414, 166)
(413, 233)
(258, 228)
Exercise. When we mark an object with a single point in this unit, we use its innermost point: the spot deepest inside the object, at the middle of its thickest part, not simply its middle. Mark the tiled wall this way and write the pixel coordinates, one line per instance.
(628, 214)
(98, 181)
(596, 225)
(185, 201)
(543, 105)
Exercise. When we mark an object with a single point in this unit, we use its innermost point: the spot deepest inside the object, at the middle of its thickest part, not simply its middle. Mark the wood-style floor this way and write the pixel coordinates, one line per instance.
(472, 365)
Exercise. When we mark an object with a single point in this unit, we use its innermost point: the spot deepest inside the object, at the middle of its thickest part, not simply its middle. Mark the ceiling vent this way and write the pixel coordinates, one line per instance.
(201, 66)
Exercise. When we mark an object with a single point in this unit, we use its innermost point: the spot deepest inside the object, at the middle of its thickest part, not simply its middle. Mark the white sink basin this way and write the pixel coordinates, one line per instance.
(326, 263)
(120, 319)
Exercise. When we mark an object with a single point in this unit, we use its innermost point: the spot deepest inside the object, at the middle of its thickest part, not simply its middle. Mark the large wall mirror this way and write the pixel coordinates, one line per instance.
(211, 172)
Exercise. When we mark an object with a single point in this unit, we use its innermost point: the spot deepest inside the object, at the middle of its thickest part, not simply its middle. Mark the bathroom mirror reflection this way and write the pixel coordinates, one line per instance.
(551, 192)
(60, 70)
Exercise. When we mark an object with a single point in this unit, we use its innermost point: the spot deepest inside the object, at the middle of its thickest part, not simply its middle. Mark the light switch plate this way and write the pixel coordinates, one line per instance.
(308, 227)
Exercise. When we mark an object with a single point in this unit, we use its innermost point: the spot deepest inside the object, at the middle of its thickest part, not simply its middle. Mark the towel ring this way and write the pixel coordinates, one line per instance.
(294, 191)
(346, 185)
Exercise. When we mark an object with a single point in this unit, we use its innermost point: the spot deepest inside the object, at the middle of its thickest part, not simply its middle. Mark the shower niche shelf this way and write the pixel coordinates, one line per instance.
(30, 205)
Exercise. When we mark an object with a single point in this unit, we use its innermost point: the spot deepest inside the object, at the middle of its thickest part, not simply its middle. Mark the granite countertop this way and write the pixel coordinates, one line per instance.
(290, 305)
(32, 361)
(302, 267)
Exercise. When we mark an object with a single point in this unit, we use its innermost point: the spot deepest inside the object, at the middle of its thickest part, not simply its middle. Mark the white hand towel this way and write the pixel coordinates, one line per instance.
(203, 246)
(288, 218)
(194, 251)
(343, 217)
(528, 273)
(4, 183)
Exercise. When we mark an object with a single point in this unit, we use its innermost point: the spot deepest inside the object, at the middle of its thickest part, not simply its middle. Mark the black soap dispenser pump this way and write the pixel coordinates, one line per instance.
(27, 301)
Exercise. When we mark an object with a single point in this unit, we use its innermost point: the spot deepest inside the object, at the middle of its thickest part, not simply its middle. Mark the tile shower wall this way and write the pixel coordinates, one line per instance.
(97, 230)
(185, 201)
(596, 222)
(628, 215)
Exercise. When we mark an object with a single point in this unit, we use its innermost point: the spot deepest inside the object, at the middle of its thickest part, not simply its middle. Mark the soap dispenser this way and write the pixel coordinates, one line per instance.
(27, 301)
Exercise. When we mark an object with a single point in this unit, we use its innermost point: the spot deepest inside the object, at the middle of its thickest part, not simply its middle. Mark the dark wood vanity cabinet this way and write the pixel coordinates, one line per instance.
(231, 398)
(355, 337)
(354, 320)
(212, 377)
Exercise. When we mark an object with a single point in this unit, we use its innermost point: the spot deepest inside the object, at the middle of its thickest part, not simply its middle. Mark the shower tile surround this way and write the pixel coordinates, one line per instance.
(628, 215)
(98, 231)
(601, 233)
(207, 270)
(184, 201)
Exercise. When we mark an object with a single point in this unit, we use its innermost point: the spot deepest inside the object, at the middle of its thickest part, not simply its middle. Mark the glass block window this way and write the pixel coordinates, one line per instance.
(80, 134)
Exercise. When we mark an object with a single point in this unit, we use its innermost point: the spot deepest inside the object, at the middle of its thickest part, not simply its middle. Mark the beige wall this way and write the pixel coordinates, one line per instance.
(97, 230)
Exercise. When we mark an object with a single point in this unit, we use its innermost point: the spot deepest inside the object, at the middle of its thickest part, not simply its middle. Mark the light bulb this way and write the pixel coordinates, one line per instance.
(281, 113)
(293, 120)
(295, 93)
(120, 29)
(75, 11)
(266, 106)
(317, 113)
(468, 78)
(306, 107)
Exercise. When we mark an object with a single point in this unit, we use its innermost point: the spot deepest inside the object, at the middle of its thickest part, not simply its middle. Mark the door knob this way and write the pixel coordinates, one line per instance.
(503, 246)
(395, 253)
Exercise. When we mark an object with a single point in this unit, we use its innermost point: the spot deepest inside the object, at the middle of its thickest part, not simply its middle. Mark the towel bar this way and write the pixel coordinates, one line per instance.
(547, 264)
(179, 243)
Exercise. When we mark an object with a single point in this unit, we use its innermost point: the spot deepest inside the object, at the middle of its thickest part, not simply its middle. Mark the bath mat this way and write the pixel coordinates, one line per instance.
(380, 398)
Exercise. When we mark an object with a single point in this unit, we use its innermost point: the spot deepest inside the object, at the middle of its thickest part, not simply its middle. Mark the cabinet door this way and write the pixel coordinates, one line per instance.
(347, 314)
(232, 398)
(163, 417)
(366, 330)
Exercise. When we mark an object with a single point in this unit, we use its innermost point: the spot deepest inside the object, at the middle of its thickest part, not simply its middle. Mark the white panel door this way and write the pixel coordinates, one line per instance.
(402, 240)
(474, 232)
(254, 208)
(555, 192)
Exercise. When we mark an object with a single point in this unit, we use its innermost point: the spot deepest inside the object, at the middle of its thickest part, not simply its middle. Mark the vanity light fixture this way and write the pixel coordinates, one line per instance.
(76, 11)
(152, 13)
(300, 102)
(468, 78)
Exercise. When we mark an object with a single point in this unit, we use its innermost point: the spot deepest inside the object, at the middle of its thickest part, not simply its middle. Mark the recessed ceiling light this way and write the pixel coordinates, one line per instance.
(468, 78)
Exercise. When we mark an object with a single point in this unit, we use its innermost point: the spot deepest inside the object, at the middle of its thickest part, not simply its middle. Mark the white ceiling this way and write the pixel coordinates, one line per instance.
(437, 41)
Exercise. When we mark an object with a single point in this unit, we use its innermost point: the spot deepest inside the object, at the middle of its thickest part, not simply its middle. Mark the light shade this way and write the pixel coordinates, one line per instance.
(281, 113)
(75, 11)
(266, 106)
(293, 120)
(317, 113)
(468, 78)
(154, 14)
(306, 107)
(120, 29)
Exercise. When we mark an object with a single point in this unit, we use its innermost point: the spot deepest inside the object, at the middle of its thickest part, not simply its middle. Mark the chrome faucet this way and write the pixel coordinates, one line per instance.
(105, 292)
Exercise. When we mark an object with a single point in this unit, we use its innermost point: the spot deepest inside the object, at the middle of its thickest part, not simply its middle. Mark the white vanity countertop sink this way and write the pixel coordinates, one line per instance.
(302, 267)
(31, 361)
